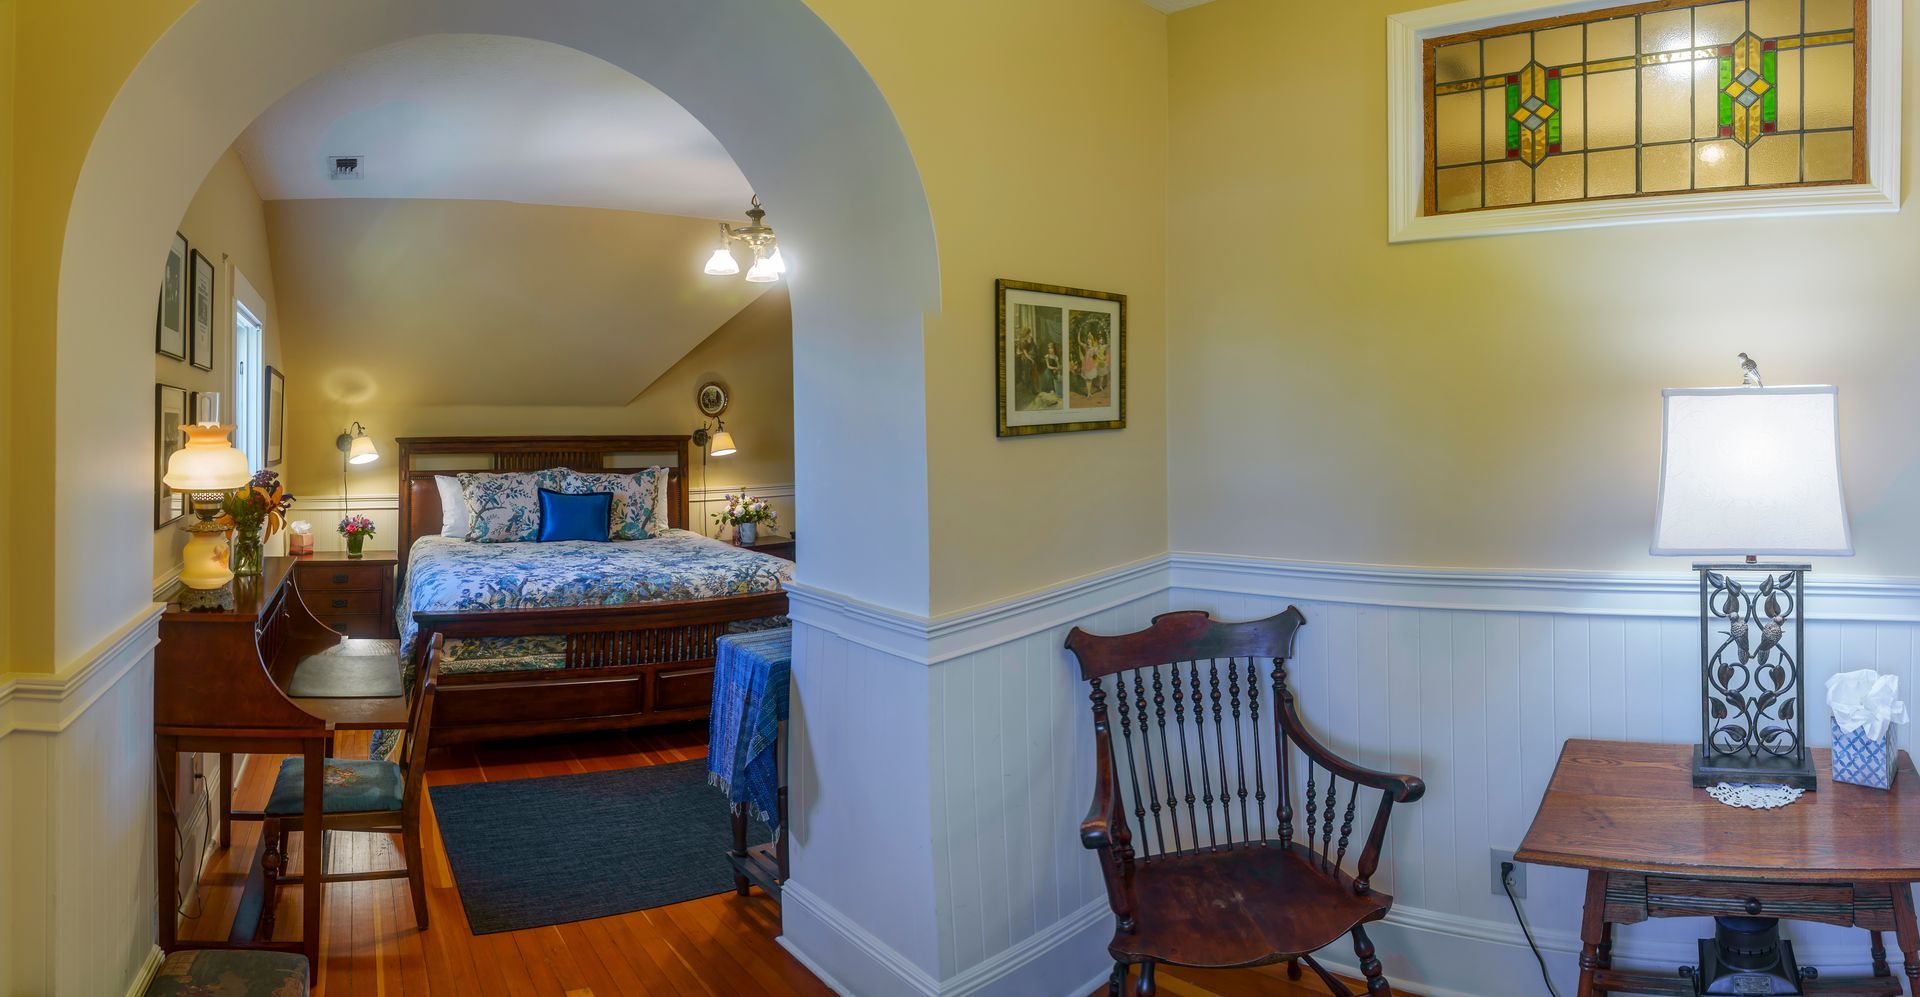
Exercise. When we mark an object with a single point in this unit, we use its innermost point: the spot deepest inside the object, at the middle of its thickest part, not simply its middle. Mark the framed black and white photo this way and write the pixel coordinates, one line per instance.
(171, 411)
(1060, 358)
(201, 315)
(170, 327)
(276, 416)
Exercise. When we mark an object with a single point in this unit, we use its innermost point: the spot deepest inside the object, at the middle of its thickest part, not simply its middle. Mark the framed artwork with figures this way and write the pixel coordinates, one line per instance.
(172, 410)
(1060, 358)
(200, 311)
(170, 326)
(276, 417)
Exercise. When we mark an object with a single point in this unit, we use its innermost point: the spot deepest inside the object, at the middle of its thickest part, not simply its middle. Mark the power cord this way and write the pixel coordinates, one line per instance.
(1506, 883)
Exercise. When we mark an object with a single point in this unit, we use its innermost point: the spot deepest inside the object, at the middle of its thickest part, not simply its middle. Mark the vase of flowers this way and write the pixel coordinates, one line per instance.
(356, 529)
(745, 513)
(254, 514)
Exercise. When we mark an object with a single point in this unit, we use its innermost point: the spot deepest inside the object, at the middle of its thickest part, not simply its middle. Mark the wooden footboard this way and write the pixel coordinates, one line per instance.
(626, 666)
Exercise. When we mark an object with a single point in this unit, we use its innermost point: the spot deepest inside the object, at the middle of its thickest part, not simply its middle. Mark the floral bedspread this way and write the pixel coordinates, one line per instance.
(447, 574)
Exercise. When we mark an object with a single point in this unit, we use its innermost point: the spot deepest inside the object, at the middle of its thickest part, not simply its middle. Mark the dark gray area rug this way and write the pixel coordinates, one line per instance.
(533, 852)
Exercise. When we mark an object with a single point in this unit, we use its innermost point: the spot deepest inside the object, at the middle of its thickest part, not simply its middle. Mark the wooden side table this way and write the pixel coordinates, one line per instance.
(351, 595)
(1654, 846)
(777, 544)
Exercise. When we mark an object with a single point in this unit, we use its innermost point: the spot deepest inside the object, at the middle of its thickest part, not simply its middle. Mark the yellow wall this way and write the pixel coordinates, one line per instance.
(1040, 131)
(8, 13)
(1488, 402)
(227, 225)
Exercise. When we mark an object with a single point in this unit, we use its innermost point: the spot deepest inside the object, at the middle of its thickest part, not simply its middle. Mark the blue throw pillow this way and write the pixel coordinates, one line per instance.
(574, 517)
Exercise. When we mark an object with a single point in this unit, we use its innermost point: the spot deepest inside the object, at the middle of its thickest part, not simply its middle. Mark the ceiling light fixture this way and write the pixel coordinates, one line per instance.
(767, 264)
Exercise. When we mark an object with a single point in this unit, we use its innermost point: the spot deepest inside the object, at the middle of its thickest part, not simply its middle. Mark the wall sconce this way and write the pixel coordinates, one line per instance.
(713, 442)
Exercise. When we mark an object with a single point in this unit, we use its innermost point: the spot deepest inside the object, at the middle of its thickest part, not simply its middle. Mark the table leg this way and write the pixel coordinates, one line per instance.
(740, 885)
(1596, 935)
(312, 835)
(226, 799)
(167, 763)
(1880, 954)
(1906, 933)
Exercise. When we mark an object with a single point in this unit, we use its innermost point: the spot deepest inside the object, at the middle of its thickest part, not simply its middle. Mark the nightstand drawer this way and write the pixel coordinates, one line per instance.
(1681, 897)
(324, 603)
(369, 626)
(336, 577)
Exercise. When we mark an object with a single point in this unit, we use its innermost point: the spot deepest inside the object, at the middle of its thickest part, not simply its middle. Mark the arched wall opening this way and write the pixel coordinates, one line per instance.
(772, 82)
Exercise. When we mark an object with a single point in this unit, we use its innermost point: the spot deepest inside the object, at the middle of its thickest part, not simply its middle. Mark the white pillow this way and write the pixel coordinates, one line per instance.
(454, 521)
(658, 525)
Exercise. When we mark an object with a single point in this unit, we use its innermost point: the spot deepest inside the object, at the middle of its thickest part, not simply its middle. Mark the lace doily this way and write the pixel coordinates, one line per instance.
(1754, 797)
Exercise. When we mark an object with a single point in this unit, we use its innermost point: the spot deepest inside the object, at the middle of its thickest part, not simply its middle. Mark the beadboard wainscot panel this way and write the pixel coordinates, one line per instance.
(1472, 680)
(76, 768)
(987, 704)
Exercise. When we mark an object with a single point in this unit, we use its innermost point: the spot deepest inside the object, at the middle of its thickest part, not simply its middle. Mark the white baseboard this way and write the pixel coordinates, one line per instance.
(148, 970)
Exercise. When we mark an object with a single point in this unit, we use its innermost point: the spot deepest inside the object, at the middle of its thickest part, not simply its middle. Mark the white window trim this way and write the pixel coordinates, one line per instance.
(1406, 140)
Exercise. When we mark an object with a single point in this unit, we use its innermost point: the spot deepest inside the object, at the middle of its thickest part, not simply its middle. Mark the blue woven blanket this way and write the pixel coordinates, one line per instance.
(750, 673)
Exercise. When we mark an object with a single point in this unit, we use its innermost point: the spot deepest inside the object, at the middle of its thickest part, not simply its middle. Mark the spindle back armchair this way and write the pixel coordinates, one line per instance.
(1239, 895)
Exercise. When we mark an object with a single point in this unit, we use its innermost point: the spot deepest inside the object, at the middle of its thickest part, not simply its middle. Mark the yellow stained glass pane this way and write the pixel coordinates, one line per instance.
(1788, 90)
(1666, 167)
(1774, 18)
(1666, 102)
(1610, 39)
(1719, 23)
(1666, 30)
(1828, 15)
(1507, 53)
(1456, 62)
(1610, 109)
(1719, 164)
(1456, 128)
(1706, 98)
(1828, 155)
(1610, 173)
(1510, 182)
(1457, 189)
(1495, 142)
(1829, 82)
(1560, 178)
(1774, 159)
(1560, 46)
(1573, 114)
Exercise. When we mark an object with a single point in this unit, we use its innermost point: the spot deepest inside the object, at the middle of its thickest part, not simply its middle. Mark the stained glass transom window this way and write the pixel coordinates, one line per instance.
(1655, 98)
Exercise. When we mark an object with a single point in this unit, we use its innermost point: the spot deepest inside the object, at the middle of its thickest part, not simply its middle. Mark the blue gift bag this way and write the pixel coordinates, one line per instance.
(1862, 760)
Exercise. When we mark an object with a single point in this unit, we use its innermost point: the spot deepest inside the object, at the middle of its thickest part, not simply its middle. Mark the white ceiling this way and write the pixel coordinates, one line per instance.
(493, 118)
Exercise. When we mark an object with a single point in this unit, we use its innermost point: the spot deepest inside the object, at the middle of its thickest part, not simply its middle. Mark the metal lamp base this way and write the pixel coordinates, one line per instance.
(1713, 769)
(1746, 955)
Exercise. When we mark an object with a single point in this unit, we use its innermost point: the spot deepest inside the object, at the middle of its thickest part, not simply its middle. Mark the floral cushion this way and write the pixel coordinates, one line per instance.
(352, 786)
(505, 508)
(230, 973)
(634, 500)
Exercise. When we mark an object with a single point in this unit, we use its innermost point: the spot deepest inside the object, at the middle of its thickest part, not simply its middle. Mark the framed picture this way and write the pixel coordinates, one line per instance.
(200, 318)
(170, 327)
(712, 399)
(171, 406)
(1060, 356)
(276, 416)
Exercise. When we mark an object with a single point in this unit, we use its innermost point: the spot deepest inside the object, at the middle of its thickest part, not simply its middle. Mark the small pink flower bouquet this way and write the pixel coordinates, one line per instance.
(356, 529)
(745, 513)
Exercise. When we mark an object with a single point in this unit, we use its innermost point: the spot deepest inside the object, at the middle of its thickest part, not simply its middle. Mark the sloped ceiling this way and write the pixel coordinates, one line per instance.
(1173, 6)
(444, 302)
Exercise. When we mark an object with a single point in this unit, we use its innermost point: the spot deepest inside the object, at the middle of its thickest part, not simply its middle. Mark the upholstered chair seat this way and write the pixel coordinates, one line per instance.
(352, 786)
(230, 973)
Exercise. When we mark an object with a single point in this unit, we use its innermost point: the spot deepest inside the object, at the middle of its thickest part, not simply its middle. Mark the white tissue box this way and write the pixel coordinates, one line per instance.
(1862, 760)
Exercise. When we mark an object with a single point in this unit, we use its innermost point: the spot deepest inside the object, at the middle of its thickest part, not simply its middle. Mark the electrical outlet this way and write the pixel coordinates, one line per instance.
(1519, 875)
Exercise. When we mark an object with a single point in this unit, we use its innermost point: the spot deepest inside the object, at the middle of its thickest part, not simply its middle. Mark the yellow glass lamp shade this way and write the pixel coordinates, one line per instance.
(362, 451)
(762, 272)
(208, 463)
(721, 444)
(722, 263)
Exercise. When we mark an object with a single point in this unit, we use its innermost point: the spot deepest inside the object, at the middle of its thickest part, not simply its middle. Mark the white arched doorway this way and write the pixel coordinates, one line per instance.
(790, 103)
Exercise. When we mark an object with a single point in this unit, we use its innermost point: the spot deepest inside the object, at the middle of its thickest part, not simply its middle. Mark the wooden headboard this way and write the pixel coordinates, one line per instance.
(423, 457)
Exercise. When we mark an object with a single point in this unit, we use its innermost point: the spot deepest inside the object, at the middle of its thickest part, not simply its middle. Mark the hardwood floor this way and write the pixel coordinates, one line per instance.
(719, 946)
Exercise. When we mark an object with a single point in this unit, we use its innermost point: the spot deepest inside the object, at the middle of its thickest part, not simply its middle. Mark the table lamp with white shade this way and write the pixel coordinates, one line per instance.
(206, 469)
(1744, 472)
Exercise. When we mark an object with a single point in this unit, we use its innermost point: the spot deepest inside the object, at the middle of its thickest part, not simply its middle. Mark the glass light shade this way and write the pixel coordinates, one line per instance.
(778, 262)
(720, 443)
(1751, 471)
(762, 272)
(362, 451)
(722, 263)
(208, 463)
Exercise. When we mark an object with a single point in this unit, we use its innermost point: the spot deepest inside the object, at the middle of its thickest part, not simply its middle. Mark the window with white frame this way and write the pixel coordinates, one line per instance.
(250, 388)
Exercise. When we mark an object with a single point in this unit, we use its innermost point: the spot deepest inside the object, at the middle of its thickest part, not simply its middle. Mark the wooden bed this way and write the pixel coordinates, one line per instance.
(625, 666)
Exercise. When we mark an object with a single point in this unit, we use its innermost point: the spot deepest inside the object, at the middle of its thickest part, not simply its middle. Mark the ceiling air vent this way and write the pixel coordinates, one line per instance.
(344, 167)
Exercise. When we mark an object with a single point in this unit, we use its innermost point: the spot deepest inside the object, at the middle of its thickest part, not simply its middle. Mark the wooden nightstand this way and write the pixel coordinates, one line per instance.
(351, 595)
(777, 544)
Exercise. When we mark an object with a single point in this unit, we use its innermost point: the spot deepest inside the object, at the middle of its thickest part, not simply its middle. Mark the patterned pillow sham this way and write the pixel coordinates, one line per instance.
(505, 508)
(634, 501)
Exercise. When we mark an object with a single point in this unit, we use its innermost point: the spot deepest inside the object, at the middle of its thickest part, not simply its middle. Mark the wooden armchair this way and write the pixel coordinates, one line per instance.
(1240, 896)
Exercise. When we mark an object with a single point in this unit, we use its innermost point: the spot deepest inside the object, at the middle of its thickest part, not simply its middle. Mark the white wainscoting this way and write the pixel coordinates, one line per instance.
(76, 771)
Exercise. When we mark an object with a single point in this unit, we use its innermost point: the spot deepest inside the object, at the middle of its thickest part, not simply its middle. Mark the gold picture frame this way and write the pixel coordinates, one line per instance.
(1060, 358)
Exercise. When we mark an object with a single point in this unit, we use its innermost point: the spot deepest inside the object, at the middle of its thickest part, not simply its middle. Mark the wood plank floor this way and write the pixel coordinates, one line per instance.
(718, 946)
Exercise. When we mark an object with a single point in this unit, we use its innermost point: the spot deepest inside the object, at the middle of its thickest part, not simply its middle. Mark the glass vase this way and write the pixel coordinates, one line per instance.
(248, 549)
(355, 543)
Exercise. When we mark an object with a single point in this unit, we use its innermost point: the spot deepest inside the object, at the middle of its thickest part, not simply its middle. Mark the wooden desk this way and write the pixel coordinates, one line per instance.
(218, 686)
(1653, 846)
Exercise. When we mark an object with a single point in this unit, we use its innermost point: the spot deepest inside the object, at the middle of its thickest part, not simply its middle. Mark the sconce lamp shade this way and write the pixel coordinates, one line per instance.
(762, 272)
(1751, 470)
(721, 444)
(208, 463)
(362, 451)
(722, 263)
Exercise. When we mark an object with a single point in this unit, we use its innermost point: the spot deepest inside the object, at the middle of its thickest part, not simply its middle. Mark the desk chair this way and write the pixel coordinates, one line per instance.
(367, 795)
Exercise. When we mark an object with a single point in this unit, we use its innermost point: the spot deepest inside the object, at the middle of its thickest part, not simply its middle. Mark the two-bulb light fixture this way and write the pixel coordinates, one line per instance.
(768, 265)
